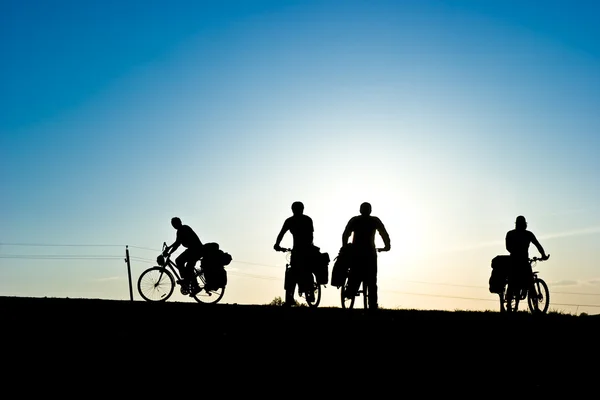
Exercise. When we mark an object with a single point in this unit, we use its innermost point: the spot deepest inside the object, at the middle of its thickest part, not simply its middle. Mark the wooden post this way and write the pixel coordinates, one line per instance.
(129, 272)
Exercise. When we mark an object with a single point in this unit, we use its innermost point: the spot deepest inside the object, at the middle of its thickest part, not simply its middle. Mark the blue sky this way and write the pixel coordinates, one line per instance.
(450, 117)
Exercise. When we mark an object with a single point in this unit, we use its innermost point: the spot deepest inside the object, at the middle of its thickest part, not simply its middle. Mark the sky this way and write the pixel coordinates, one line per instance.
(450, 117)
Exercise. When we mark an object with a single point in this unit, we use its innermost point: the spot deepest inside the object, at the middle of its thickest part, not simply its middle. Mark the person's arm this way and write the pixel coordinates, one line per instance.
(537, 244)
(507, 243)
(347, 232)
(282, 232)
(384, 235)
(171, 249)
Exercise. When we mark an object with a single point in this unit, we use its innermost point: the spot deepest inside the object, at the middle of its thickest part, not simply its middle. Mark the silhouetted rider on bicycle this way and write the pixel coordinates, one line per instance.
(364, 227)
(187, 260)
(517, 244)
(302, 230)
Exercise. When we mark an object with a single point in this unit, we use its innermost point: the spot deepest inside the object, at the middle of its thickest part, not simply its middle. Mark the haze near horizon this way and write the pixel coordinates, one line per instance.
(450, 118)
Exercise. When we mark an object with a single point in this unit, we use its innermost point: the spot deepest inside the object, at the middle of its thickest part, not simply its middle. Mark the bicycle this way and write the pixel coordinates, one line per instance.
(538, 303)
(348, 299)
(312, 296)
(157, 284)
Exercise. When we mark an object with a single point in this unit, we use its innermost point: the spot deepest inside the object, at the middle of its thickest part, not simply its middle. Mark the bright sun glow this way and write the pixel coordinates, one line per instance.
(402, 217)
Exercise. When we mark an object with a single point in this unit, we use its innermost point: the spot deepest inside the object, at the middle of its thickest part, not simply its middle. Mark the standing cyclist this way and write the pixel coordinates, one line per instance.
(517, 244)
(301, 228)
(187, 260)
(364, 227)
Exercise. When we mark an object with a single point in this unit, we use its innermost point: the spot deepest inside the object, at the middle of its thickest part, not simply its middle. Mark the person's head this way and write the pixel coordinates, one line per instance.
(297, 207)
(365, 208)
(521, 223)
(176, 222)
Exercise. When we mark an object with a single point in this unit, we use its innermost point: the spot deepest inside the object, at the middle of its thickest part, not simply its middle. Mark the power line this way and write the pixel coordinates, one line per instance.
(61, 257)
(485, 287)
(61, 245)
(579, 294)
(255, 276)
(440, 295)
(480, 299)
(576, 305)
(150, 261)
(143, 248)
(266, 277)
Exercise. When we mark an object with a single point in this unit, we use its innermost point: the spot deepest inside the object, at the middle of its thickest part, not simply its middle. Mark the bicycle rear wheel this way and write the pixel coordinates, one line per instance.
(316, 294)
(511, 301)
(347, 302)
(541, 301)
(208, 295)
(514, 295)
(156, 284)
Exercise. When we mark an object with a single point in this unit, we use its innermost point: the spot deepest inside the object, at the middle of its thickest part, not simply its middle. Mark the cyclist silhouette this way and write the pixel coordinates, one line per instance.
(364, 227)
(187, 260)
(517, 244)
(302, 230)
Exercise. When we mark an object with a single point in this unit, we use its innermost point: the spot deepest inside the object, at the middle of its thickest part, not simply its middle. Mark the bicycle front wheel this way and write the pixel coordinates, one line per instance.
(541, 301)
(156, 284)
(316, 294)
(208, 295)
(365, 293)
(347, 302)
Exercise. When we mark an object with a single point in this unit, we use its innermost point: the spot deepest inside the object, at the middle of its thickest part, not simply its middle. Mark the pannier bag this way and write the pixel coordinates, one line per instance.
(341, 266)
(499, 276)
(213, 263)
(322, 268)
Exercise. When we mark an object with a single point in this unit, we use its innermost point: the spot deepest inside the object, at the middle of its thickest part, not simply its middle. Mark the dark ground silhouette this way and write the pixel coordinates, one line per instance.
(113, 348)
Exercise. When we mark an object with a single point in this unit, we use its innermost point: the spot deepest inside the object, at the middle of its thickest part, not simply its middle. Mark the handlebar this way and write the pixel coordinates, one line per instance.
(164, 249)
(540, 258)
(379, 249)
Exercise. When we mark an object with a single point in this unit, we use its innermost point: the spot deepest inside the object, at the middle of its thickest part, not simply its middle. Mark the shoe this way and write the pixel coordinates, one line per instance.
(208, 288)
(289, 303)
(195, 290)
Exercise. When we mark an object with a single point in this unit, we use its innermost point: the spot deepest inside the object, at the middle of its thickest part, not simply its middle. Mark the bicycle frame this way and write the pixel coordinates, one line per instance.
(169, 264)
(361, 289)
(302, 290)
(157, 283)
(520, 293)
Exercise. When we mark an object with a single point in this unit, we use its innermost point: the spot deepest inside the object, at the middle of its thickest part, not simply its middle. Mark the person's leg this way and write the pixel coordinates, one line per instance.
(355, 276)
(190, 270)
(306, 282)
(185, 263)
(289, 285)
(180, 262)
(371, 281)
(512, 287)
(301, 267)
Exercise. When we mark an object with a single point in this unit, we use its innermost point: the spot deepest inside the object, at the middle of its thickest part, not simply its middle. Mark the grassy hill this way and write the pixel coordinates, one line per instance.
(271, 349)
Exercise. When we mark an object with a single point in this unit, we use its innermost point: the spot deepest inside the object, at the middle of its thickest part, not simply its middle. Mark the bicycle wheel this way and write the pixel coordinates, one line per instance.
(540, 302)
(513, 297)
(316, 293)
(346, 302)
(156, 284)
(206, 294)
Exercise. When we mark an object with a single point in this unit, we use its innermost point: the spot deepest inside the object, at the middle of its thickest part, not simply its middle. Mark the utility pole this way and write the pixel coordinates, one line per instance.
(128, 272)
